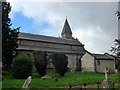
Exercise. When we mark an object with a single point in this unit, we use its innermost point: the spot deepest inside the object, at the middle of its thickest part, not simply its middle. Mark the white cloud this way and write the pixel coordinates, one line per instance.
(95, 39)
(94, 24)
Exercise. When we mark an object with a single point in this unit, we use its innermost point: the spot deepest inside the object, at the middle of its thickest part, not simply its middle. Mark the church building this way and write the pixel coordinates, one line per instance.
(98, 62)
(66, 44)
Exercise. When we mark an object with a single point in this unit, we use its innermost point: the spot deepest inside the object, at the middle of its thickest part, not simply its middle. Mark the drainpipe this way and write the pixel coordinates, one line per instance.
(95, 65)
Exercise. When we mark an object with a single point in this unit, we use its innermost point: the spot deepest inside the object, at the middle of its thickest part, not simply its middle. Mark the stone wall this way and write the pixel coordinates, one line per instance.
(24, 52)
(87, 62)
(69, 36)
(110, 64)
(74, 62)
(49, 45)
(70, 50)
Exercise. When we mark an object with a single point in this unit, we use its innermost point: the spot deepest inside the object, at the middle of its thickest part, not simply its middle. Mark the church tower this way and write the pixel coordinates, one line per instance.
(66, 32)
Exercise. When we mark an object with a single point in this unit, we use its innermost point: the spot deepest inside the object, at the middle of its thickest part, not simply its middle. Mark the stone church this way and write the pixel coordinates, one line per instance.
(65, 44)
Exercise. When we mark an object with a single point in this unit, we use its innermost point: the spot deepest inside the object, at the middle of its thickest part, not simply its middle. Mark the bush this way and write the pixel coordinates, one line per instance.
(40, 61)
(22, 67)
(60, 62)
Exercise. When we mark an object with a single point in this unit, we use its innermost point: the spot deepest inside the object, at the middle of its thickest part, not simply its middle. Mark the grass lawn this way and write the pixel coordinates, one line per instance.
(70, 78)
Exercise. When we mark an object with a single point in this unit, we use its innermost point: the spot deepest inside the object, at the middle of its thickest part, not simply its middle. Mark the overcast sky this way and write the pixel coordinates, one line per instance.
(93, 23)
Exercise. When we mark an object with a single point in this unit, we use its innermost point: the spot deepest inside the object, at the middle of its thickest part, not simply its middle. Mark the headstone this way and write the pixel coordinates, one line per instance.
(27, 82)
(106, 73)
(55, 79)
(46, 77)
(107, 83)
(116, 71)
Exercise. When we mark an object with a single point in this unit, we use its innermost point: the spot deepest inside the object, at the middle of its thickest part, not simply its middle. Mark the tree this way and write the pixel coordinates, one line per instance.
(116, 51)
(40, 61)
(116, 48)
(22, 67)
(118, 14)
(60, 62)
(9, 37)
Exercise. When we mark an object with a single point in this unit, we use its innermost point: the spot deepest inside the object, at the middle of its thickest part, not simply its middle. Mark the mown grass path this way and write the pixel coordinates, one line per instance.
(70, 78)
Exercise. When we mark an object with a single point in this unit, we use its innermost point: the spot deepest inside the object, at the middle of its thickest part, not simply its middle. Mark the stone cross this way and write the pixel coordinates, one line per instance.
(106, 73)
(27, 82)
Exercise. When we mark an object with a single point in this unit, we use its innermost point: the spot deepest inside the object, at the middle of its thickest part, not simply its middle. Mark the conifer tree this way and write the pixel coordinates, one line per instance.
(60, 62)
(9, 37)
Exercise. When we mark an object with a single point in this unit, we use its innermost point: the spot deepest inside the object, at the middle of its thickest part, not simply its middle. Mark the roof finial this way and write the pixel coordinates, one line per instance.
(66, 17)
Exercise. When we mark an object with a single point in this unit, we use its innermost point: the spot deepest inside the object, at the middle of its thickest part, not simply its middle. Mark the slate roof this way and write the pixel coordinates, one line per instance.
(103, 57)
(66, 28)
(48, 39)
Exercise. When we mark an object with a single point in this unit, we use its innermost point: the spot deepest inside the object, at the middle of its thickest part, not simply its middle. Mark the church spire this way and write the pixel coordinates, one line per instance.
(66, 32)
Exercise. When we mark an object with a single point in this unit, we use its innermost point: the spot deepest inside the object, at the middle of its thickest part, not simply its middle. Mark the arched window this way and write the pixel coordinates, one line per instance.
(98, 62)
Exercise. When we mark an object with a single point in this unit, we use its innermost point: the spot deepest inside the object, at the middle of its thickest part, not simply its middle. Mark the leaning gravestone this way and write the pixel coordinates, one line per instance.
(27, 82)
(107, 83)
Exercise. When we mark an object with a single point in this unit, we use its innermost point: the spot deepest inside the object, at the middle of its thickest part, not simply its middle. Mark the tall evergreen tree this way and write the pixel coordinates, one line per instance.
(60, 62)
(40, 61)
(9, 37)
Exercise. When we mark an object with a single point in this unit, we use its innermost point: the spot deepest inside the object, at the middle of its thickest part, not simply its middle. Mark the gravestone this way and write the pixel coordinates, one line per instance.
(106, 73)
(116, 71)
(107, 83)
(27, 82)
(55, 79)
(46, 77)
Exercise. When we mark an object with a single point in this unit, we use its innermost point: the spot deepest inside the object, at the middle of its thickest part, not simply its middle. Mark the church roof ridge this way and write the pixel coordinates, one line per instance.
(100, 56)
(31, 34)
(44, 36)
(36, 37)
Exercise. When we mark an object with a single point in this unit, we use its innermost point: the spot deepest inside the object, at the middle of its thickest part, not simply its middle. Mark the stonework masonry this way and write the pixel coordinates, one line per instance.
(97, 62)
(110, 64)
(88, 63)
(67, 45)
(78, 57)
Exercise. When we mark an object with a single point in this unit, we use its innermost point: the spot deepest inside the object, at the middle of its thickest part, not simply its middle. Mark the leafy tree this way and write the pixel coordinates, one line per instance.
(60, 62)
(40, 61)
(9, 37)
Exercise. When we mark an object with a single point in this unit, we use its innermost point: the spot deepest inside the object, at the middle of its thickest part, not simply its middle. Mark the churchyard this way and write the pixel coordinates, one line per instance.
(26, 57)
(70, 80)
(23, 76)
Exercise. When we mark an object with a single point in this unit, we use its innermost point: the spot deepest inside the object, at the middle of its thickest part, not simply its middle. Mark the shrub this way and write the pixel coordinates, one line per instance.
(22, 67)
(60, 62)
(40, 61)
